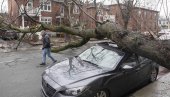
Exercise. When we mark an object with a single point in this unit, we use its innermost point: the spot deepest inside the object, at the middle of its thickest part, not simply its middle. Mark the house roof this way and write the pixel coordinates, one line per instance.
(163, 19)
(3, 14)
(92, 5)
(141, 8)
(58, 0)
(61, 1)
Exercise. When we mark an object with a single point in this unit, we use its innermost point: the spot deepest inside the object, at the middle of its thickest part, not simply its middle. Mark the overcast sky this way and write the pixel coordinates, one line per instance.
(3, 6)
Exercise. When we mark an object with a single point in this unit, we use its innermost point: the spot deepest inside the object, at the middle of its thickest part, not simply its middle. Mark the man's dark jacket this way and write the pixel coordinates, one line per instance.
(46, 41)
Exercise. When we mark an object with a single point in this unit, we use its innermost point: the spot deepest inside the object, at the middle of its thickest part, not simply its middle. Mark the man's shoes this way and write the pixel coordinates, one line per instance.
(55, 61)
(42, 64)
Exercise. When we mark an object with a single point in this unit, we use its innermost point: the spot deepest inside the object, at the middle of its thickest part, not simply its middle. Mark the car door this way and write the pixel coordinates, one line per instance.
(131, 71)
(136, 71)
(145, 68)
(116, 84)
(125, 79)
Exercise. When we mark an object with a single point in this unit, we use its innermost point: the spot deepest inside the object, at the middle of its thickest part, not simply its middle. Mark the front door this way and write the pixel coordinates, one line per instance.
(126, 79)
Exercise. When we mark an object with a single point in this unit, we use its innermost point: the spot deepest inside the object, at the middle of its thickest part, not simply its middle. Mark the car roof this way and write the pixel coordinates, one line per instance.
(114, 46)
(111, 44)
(108, 44)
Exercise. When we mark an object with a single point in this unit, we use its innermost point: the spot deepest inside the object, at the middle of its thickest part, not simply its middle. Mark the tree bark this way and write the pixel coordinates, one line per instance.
(156, 50)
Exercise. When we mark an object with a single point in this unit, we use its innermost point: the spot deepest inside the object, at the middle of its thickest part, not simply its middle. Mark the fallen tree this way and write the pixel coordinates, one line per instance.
(157, 50)
(154, 49)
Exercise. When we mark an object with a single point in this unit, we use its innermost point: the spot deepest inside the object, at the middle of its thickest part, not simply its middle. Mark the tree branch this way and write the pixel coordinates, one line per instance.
(72, 45)
(86, 13)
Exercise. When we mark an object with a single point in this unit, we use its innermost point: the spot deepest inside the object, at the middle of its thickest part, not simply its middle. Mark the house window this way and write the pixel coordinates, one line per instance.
(122, 7)
(76, 9)
(100, 12)
(145, 13)
(29, 5)
(62, 11)
(46, 20)
(45, 5)
(139, 12)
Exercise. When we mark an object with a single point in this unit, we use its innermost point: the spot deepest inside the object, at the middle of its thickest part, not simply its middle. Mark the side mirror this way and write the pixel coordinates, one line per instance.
(126, 67)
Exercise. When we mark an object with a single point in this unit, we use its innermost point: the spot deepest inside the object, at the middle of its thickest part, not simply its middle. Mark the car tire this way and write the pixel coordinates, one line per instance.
(102, 93)
(153, 75)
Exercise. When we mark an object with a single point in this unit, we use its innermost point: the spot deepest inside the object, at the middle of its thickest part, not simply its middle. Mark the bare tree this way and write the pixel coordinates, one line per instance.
(126, 9)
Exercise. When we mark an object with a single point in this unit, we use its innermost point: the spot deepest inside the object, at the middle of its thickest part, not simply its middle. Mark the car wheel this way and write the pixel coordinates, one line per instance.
(102, 93)
(153, 75)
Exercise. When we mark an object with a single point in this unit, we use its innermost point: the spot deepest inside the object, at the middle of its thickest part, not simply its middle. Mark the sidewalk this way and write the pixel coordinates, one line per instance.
(160, 88)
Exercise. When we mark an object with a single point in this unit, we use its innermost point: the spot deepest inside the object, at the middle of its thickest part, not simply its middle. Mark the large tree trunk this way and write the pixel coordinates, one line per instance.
(157, 50)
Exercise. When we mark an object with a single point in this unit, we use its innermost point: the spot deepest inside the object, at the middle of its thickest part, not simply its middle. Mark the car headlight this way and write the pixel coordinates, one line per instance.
(45, 72)
(74, 91)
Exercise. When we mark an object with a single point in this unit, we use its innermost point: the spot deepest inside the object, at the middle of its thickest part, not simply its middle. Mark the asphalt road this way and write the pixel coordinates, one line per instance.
(20, 73)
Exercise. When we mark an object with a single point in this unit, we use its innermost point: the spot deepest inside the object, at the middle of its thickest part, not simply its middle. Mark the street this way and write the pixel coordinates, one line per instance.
(20, 73)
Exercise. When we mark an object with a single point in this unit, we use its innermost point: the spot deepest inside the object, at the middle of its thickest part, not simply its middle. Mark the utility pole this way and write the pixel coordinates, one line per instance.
(22, 14)
(23, 24)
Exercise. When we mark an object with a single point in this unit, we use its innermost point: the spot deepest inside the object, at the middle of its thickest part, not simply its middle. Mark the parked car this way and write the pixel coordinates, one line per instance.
(164, 31)
(9, 35)
(2, 31)
(103, 70)
(165, 36)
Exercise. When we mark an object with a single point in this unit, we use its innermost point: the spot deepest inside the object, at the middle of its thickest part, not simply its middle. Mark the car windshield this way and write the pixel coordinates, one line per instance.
(102, 57)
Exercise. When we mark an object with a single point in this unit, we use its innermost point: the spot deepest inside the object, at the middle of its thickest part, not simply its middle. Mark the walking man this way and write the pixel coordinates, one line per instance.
(46, 49)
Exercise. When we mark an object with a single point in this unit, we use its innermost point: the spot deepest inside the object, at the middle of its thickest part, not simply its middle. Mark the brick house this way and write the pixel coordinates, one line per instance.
(53, 12)
(144, 20)
(141, 19)
(89, 8)
(45, 11)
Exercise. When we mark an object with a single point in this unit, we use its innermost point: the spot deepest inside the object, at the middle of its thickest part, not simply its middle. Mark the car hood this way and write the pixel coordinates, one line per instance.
(73, 70)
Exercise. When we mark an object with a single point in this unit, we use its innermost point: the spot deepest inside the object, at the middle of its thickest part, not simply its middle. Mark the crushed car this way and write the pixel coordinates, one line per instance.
(103, 70)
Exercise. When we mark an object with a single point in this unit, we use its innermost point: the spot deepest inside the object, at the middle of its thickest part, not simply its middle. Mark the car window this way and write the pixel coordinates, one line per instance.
(102, 57)
(142, 60)
(130, 62)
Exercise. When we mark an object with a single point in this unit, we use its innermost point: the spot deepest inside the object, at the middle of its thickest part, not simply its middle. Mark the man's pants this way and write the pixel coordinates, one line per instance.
(47, 51)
